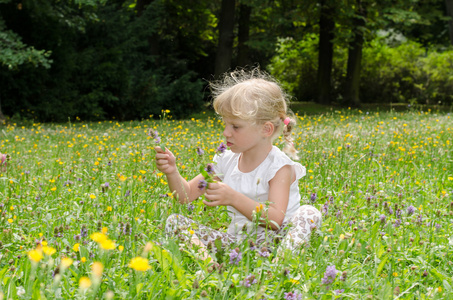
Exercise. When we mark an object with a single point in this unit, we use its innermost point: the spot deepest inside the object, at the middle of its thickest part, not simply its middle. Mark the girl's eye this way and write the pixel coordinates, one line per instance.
(235, 127)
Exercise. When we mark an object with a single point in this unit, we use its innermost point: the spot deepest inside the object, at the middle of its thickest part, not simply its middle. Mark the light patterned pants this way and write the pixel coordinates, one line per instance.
(291, 236)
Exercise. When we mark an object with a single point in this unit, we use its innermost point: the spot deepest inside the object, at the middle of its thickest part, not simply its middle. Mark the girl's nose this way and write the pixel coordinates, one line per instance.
(226, 132)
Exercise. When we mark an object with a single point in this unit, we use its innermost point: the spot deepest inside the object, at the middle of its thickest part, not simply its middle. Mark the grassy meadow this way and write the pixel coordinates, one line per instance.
(83, 210)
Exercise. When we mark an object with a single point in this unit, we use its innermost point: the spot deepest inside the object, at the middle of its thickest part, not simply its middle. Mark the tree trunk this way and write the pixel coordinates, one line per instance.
(2, 116)
(449, 4)
(325, 52)
(153, 40)
(226, 37)
(243, 35)
(351, 93)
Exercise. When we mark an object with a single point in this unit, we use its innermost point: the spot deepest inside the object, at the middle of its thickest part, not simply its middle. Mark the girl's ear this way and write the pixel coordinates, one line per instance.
(268, 129)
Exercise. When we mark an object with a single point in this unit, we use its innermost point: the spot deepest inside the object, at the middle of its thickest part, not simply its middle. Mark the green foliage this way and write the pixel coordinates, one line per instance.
(405, 72)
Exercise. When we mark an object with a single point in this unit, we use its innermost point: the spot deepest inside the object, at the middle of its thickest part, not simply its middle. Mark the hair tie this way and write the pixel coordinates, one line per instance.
(287, 121)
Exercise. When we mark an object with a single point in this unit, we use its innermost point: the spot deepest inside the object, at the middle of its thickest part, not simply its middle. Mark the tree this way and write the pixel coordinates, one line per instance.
(226, 37)
(325, 51)
(351, 93)
(245, 11)
(449, 6)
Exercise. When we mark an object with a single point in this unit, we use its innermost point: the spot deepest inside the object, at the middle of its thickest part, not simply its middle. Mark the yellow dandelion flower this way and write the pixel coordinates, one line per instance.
(109, 208)
(341, 237)
(97, 268)
(44, 243)
(84, 283)
(139, 264)
(294, 281)
(120, 248)
(92, 196)
(83, 259)
(48, 250)
(53, 189)
(10, 220)
(35, 255)
(142, 171)
(66, 262)
(76, 247)
(98, 237)
(108, 245)
(104, 230)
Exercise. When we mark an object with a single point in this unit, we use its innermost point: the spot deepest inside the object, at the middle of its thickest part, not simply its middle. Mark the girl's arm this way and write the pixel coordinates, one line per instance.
(279, 187)
(183, 190)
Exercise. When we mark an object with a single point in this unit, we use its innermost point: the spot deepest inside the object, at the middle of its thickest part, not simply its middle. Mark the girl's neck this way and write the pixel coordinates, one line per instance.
(250, 160)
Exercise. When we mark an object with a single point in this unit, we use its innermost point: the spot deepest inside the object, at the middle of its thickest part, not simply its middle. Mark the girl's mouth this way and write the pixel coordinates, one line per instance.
(229, 144)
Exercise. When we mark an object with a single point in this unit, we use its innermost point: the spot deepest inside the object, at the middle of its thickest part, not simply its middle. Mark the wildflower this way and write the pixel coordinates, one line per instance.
(105, 187)
(264, 252)
(48, 250)
(210, 169)
(343, 276)
(139, 264)
(97, 268)
(66, 262)
(325, 209)
(249, 280)
(121, 248)
(235, 256)
(35, 255)
(107, 244)
(190, 207)
(200, 151)
(329, 275)
(313, 197)
(337, 292)
(410, 210)
(221, 148)
(293, 296)
(84, 231)
(202, 184)
(382, 219)
(83, 259)
(76, 247)
(84, 283)
(397, 223)
(98, 237)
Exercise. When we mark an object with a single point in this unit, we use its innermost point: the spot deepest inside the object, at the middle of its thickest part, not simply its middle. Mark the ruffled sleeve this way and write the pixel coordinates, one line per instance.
(277, 160)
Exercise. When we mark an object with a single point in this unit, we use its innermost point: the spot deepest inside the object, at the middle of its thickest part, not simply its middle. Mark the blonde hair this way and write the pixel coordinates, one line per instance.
(256, 97)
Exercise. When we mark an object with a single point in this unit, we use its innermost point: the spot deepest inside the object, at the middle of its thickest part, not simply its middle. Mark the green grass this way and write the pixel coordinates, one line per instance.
(365, 168)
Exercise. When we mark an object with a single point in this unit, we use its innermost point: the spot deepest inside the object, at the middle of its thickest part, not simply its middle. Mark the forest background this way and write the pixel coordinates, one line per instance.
(123, 59)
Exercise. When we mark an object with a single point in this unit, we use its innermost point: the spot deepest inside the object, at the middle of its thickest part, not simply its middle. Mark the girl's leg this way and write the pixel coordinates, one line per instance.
(189, 230)
(306, 219)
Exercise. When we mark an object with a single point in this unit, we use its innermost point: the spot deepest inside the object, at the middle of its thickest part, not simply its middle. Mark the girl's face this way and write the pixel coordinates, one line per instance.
(242, 136)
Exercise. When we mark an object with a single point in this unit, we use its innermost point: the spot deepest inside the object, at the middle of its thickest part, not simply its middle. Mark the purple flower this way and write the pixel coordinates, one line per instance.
(190, 207)
(438, 226)
(202, 184)
(410, 210)
(128, 192)
(153, 133)
(249, 280)
(329, 275)
(210, 169)
(398, 213)
(397, 223)
(325, 209)
(382, 218)
(313, 197)
(221, 148)
(293, 296)
(200, 151)
(235, 256)
(337, 292)
(264, 252)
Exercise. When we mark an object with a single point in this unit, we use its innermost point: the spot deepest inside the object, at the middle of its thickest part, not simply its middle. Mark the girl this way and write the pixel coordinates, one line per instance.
(251, 173)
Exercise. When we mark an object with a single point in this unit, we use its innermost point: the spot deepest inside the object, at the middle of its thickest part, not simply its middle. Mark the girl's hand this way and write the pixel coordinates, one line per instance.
(165, 160)
(219, 193)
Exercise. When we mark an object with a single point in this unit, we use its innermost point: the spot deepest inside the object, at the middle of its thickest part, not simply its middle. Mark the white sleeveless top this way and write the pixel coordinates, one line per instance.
(255, 184)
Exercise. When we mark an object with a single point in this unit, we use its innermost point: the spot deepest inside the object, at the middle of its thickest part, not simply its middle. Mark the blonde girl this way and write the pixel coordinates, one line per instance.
(252, 173)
